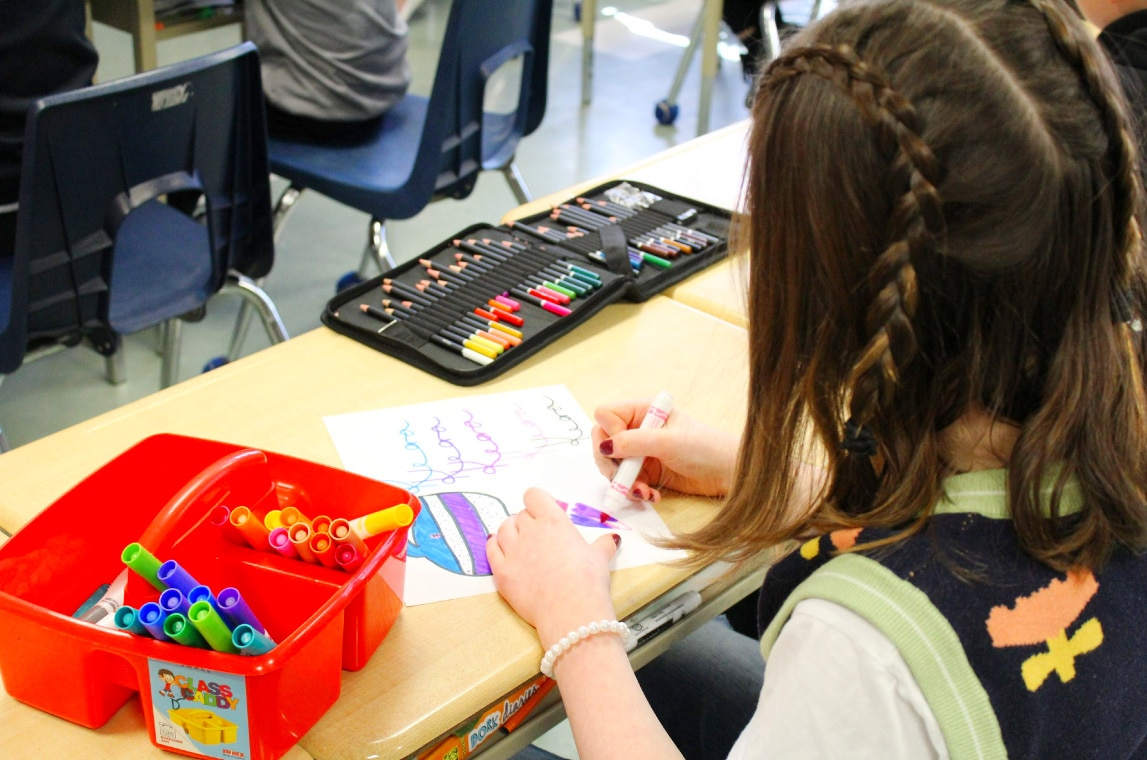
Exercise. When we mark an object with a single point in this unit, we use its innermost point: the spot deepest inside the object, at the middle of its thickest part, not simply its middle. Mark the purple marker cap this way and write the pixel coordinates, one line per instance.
(174, 600)
(235, 610)
(172, 575)
(151, 617)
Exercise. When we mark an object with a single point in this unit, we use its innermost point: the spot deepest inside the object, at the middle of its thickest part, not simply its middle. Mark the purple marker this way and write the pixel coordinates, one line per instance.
(249, 641)
(235, 610)
(172, 575)
(151, 617)
(174, 600)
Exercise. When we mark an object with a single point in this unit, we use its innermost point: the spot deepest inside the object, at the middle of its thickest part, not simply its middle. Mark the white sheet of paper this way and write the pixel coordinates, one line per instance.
(469, 460)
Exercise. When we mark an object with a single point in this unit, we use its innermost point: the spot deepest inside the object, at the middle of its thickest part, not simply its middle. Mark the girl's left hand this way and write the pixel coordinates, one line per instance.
(543, 567)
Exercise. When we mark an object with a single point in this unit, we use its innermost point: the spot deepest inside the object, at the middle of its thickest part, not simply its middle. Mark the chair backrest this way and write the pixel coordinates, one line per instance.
(481, 36)
(92, 157)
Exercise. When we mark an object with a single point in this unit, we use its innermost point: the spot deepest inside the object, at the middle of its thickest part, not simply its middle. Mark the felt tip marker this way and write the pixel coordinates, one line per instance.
(144, 563)
(647, 626)
(179, 629)
(616, 496)
(391, 518)
(235, 610)
(251, 642)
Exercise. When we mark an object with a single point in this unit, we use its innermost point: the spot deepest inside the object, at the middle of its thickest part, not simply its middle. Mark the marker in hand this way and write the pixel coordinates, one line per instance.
(617, 495)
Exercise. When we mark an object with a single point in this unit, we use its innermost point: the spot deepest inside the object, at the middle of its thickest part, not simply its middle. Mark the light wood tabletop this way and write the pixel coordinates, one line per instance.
(441, 663)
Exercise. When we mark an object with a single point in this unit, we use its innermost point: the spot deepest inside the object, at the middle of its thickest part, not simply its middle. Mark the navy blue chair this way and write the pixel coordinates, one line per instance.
(430, 148)
(140, 199)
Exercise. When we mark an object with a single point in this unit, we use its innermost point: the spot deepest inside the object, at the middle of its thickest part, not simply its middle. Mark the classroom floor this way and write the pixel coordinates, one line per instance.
(639, 44)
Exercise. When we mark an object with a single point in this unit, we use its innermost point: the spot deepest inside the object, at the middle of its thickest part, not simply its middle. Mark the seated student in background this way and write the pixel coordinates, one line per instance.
(43, 51)
(947, 283)
(330, 68)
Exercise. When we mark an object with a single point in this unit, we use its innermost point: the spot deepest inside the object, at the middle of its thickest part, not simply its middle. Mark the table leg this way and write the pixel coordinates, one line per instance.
(709, 39)
(588, 20)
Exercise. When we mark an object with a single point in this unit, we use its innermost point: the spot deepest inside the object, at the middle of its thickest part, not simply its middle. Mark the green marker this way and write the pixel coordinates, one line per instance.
(207, 621)
(564, 291)
(143, 562)
(657, 261)
(179, 628)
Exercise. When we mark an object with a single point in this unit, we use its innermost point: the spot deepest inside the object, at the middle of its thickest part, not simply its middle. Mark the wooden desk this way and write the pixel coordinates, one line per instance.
(441, 663)
(137, 18)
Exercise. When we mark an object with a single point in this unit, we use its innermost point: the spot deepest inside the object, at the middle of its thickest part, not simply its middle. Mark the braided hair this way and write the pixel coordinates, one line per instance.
(943, 204)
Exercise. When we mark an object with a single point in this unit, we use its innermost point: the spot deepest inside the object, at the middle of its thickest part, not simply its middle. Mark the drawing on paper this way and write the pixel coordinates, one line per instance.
(451, 530)
(591, 517)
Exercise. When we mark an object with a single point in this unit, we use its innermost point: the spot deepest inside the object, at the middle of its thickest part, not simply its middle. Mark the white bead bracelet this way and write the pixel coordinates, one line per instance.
(565, 643)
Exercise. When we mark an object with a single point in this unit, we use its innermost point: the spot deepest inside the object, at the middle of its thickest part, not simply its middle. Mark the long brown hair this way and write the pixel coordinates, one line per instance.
(943, 211)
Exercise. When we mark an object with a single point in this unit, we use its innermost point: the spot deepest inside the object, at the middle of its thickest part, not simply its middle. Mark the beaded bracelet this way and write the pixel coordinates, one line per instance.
(565, 643)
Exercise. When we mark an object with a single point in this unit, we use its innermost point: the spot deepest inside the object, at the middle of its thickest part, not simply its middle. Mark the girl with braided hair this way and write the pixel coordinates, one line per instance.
(947, 285)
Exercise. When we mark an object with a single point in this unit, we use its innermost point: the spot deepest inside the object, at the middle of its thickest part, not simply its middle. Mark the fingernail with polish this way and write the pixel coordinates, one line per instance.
(606, 447)
(617, 539)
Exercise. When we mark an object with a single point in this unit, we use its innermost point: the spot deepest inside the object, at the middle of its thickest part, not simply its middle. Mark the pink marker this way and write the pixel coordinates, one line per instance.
(281, 542)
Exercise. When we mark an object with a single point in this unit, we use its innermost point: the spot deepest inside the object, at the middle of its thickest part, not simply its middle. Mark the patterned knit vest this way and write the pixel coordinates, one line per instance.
(1015, 659)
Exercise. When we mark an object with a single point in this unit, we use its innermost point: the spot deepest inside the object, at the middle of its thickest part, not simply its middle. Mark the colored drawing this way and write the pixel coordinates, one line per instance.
(451, 530)
(590, 517)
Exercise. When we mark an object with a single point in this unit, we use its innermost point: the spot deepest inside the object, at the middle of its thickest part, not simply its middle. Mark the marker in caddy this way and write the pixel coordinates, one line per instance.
(617, 495)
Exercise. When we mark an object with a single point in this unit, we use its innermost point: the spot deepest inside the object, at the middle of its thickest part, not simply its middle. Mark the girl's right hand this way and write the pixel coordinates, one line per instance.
(685, 455)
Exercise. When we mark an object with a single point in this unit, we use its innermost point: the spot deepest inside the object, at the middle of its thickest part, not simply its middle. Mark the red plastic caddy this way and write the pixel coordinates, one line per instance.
(197, 702)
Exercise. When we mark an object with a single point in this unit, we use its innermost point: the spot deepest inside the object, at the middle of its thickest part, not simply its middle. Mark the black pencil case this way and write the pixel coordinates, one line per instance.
(490, 296)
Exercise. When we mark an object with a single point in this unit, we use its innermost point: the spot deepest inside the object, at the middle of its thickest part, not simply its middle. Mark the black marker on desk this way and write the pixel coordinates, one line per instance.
(644, 628)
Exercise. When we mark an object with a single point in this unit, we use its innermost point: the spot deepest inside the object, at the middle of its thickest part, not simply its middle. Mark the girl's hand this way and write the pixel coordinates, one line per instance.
(546, 570)
(685, 455)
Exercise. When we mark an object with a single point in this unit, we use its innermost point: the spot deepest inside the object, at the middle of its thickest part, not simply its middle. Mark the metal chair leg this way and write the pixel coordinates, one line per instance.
(169, 368)
(517, 184)
(770, 32)
(376, 250)
(252, 294)
(284, 206)
(115, 367)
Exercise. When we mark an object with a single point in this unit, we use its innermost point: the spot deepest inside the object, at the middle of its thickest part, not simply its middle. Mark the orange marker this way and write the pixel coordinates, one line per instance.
(398, 516)
(341, 532)
(321, 524)
(322, 547)
(291, 516)
(254, 532)
(300, 535)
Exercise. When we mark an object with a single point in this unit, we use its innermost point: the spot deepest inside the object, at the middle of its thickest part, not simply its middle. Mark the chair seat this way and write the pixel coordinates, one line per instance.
(154, 280)
(370, 176)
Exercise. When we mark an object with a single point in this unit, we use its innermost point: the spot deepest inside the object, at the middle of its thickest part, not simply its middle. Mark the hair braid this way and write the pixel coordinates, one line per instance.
(1121, 146)
(912, 228)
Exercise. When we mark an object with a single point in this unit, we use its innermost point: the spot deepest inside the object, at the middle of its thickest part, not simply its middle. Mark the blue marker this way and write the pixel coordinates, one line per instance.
(202, 594)
(151, 616)
(250, 642)
(173, 600)
(172, 575)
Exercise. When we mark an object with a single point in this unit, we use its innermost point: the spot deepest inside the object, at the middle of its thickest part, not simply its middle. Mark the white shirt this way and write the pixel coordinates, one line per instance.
(836, 687)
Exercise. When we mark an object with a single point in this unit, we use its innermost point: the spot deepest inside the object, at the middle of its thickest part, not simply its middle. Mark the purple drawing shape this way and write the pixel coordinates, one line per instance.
(471, 527)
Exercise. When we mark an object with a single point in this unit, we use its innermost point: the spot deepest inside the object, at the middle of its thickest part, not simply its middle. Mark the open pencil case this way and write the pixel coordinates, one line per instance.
(490, 296)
